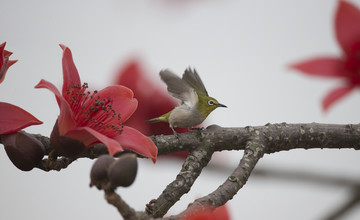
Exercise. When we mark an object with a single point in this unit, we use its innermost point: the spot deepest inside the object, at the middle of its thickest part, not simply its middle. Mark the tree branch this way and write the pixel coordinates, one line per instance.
(254, 150)
(353, 201)
(191, 169)
(124, 209)
(278, 137)
(57, 164)
(256, 141)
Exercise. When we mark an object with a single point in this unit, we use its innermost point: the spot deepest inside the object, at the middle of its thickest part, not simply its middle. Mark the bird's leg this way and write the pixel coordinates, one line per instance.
(175, 133)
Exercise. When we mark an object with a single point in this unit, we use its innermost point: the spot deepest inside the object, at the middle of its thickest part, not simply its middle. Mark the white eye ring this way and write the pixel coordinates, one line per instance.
(211, 102)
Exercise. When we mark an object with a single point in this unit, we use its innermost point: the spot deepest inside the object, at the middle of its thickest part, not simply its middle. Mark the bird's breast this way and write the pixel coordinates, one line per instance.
(185, 117)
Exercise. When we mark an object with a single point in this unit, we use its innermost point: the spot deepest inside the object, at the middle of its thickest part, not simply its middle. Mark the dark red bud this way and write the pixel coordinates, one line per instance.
(24, 151)
(99, 171)
(65, 146)
(123, 171)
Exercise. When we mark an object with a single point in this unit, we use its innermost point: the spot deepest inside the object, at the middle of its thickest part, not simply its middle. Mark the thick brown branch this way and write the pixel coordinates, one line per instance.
(278, 137)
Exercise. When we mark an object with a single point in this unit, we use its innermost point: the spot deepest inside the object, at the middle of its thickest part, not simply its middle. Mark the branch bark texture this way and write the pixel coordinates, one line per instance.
(255, 141)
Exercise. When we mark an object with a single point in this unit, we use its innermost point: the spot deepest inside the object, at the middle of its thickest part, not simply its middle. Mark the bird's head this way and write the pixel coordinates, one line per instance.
(208, 104)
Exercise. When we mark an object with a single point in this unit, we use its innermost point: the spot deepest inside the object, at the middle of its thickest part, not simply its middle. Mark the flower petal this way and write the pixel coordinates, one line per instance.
(14, 118)
(2, 54)
(322, 66)
(347, 26)
(123, 100)
(11, 62)
(336, 95)
(48, 85)
(70, 73)
(132, 139)
(89, 136)
(3, 69)
(5, 63)
(65, 120)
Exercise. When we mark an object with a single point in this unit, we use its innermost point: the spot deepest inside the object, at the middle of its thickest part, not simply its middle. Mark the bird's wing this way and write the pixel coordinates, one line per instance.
(193, 79)
(179, 88)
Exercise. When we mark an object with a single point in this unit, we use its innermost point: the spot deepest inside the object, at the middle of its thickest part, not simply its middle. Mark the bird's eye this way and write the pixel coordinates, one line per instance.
(211, 102)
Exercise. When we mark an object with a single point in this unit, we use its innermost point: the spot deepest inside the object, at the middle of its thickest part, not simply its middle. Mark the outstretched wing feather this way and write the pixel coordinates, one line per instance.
(192, 78)
(177, 87)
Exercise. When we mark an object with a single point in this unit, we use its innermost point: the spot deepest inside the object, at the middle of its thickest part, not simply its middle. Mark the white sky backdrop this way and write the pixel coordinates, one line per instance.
(241, 50)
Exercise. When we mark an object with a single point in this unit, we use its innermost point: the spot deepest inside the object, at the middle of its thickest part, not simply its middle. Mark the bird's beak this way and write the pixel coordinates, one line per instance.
(221, 105)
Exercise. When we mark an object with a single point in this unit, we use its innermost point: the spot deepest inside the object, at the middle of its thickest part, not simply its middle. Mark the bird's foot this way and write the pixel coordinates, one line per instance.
(196, 128)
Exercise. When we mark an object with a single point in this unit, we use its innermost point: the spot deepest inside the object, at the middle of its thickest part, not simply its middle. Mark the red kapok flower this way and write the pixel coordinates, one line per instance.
(5, 63)
(94, 117)
(14, 118)
(347, 67)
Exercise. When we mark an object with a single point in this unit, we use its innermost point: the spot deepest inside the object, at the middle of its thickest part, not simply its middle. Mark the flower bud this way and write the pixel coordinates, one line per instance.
(24, 151)
(123, 171)
(65, 146)
(99, 171)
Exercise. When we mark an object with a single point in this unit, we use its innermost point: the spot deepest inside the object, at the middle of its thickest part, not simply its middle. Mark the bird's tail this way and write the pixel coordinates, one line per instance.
(153, 120)
(163, 118)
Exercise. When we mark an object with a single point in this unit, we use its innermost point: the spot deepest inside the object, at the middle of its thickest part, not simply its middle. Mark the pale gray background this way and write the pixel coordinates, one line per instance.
(241, 49)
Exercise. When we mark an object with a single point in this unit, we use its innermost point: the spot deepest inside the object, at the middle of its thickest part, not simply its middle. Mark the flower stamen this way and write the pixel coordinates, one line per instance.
(93, 111)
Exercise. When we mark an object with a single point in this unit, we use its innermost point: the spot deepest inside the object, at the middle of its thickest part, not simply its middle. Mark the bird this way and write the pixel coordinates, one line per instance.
(195, 103)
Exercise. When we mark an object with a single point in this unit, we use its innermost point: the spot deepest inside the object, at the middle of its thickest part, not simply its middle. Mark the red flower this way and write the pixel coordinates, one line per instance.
(5, 63)
(98, 116)
(220, 213)
(346, 67)
(13, 118)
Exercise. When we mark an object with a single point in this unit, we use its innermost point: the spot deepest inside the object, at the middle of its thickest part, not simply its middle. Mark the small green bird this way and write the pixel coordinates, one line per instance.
(195, 103)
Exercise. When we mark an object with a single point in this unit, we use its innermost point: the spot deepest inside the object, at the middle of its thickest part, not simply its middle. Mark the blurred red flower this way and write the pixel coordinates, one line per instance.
(153, 100)
(12, 118)
(347, 66)
(220, 213)
(93, 117)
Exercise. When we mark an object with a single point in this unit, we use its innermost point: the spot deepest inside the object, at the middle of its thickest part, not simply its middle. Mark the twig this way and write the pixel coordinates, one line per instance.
(349, 204)
(58, 164)
(124, 209)
(305, 176)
